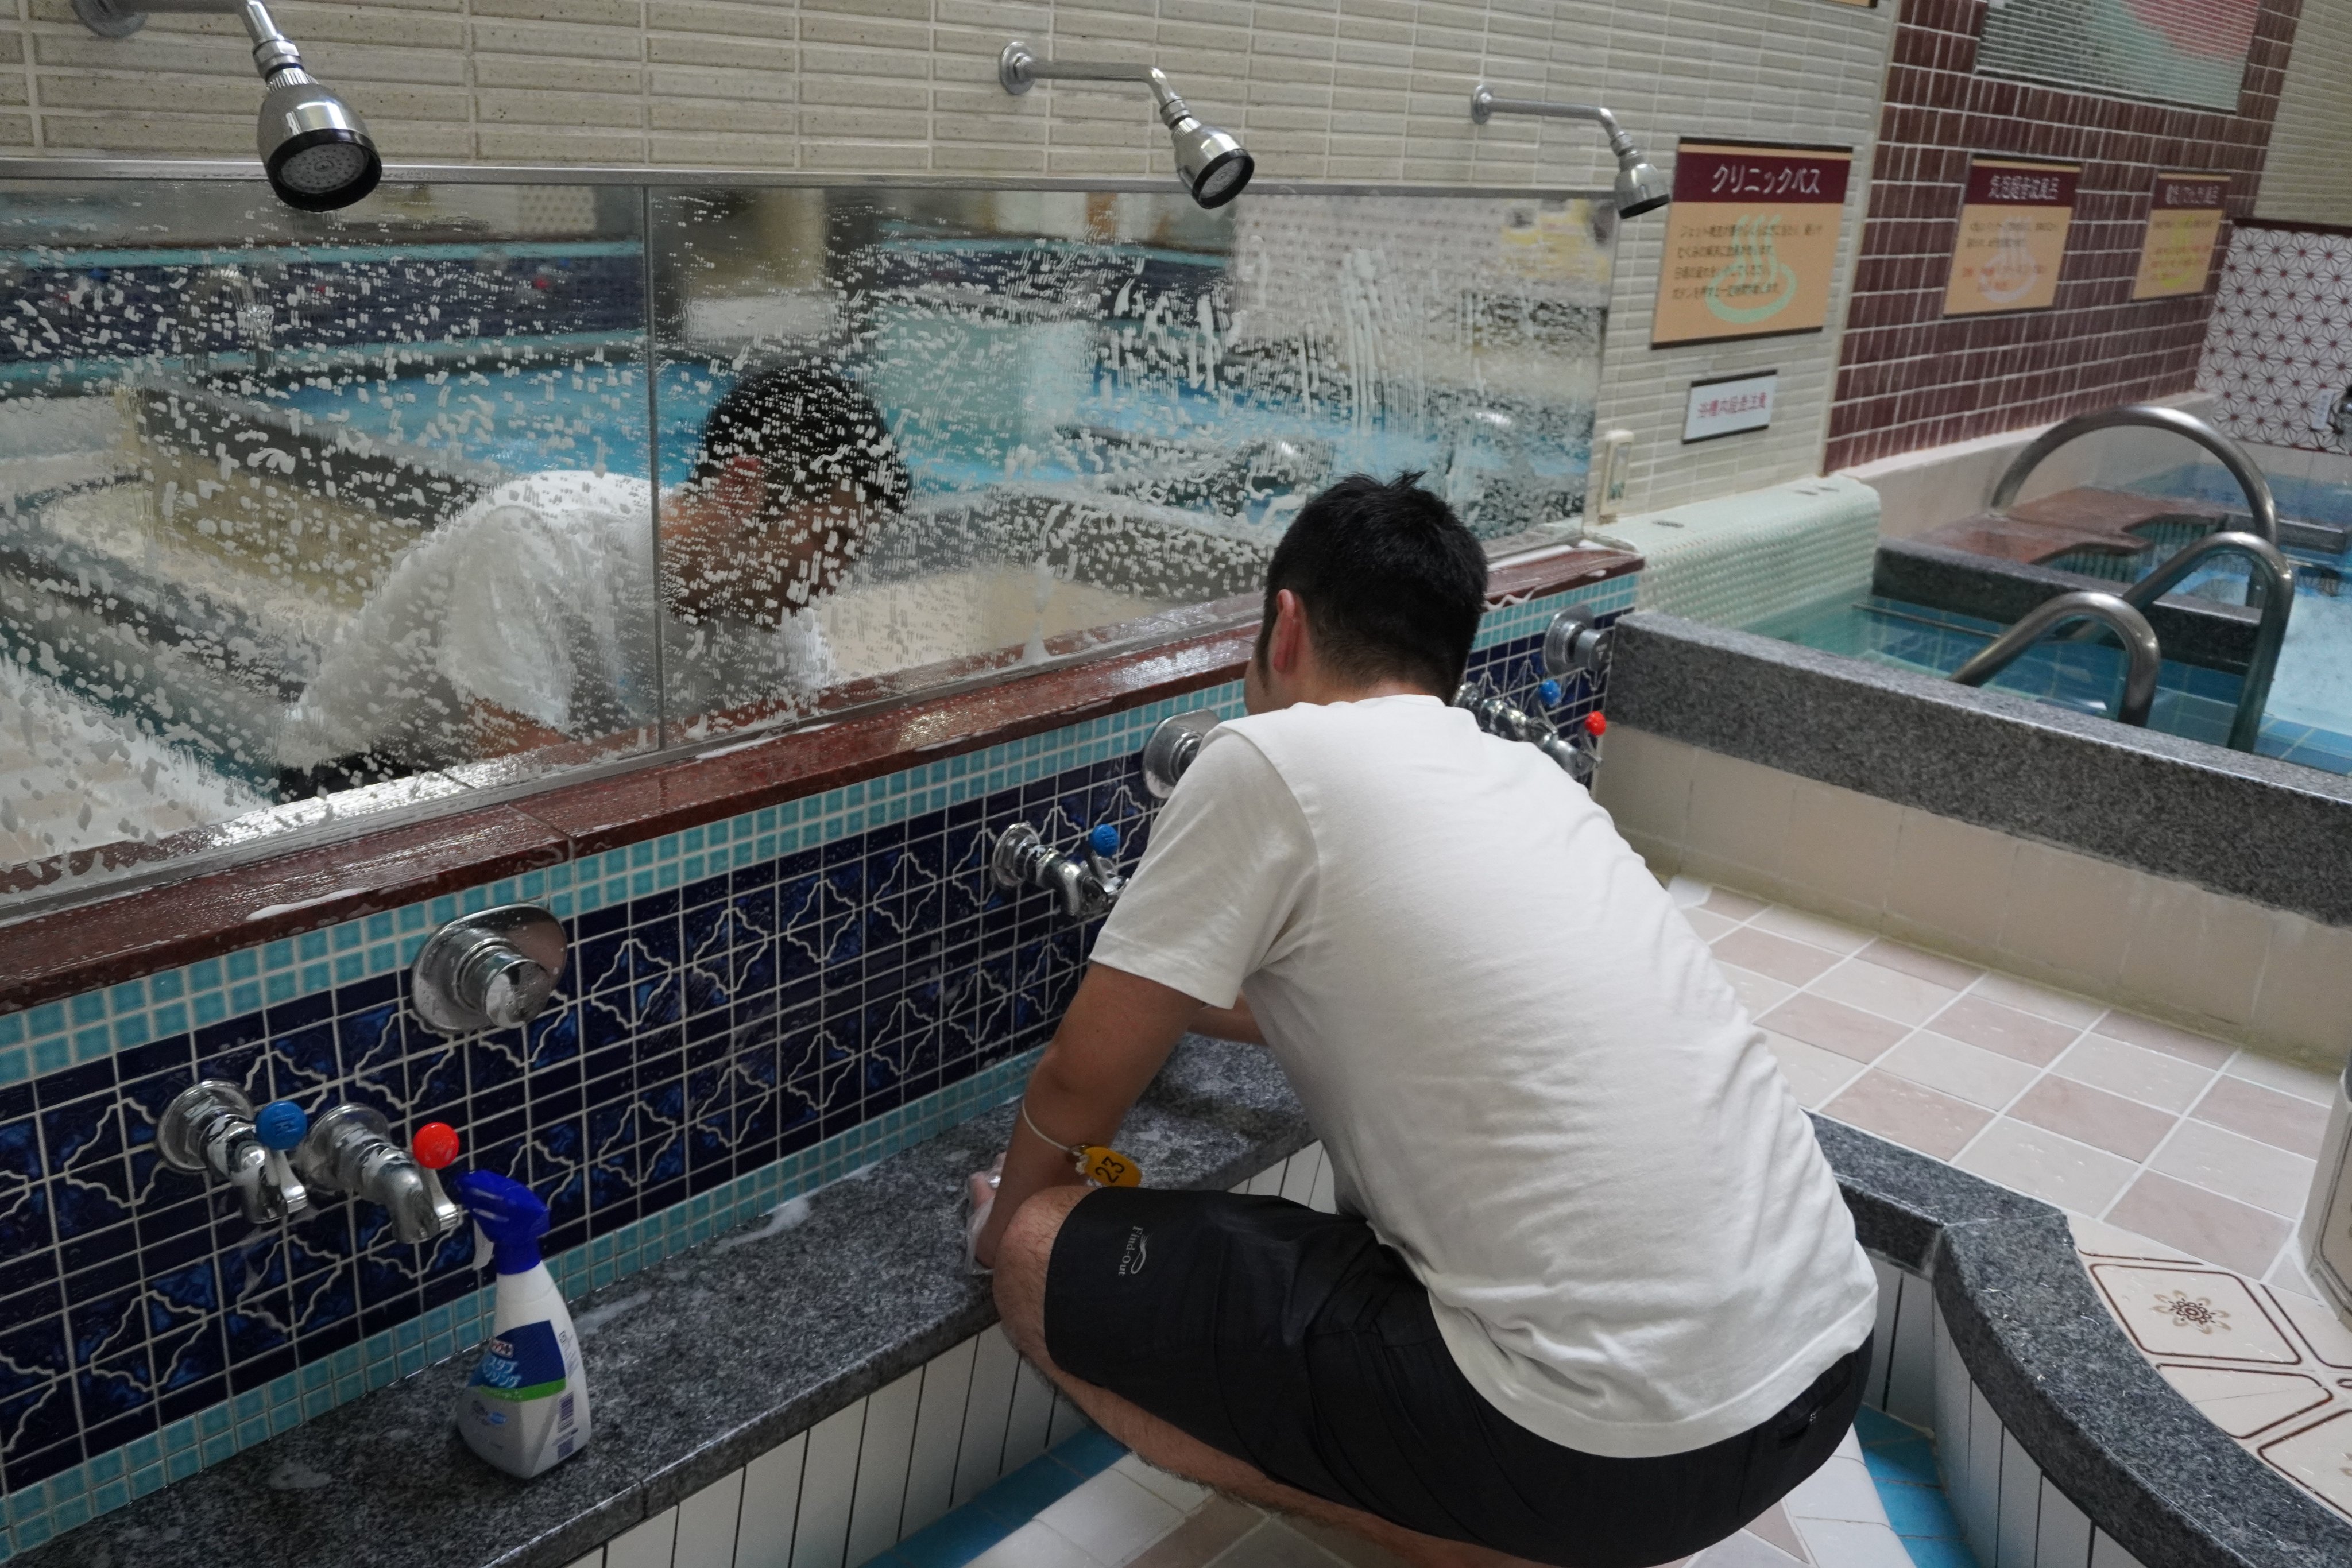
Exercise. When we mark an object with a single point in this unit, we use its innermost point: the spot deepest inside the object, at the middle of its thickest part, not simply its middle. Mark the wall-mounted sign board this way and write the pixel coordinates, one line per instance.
(1751, 241)
(2013, 224)
(2184, 220)
(1727, 405)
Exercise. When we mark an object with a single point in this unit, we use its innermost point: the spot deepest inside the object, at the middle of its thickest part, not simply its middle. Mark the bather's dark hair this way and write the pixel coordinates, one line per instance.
(1393, 585)
(810, 429)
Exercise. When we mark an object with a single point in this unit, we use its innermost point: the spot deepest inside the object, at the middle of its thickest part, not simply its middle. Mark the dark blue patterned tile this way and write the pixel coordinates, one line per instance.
(73, 1083)
(174, 1053)
(39, 1433)
(372, 1039)
(601, 963)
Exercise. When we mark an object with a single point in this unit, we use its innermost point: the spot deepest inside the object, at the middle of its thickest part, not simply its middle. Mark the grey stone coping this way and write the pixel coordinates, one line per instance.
(711, 1358)
(2277, 834)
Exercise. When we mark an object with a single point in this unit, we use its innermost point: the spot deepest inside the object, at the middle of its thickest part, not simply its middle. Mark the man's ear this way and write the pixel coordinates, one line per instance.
(1290, 639)
(739, 487)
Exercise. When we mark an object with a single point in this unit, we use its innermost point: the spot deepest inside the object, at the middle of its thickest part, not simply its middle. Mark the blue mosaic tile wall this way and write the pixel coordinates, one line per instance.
(751, 1008)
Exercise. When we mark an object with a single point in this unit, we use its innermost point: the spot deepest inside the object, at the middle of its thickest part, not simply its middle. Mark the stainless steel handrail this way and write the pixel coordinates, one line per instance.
(2259, 501)
(2124, 619)
(2270, 635)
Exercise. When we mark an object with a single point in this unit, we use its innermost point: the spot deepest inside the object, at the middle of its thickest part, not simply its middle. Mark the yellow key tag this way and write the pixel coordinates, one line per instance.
(1107, 1168)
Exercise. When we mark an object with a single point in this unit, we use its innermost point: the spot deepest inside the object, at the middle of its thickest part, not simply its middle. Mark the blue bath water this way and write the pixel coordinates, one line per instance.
(2190, 701)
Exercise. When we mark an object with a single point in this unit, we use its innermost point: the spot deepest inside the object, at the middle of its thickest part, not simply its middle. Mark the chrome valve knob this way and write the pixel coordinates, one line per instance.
(1171, 749)
(494, 969)
(212, 1130)
(1574, 644)
(350, 1149)
(1085, 884)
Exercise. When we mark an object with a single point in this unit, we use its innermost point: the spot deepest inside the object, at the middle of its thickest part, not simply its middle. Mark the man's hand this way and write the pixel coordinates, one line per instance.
(1117, 1032)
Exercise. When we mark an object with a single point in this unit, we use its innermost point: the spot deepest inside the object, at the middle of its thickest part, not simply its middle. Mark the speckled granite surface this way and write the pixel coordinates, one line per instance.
(698, 1365)
(2275, 832)
(715, 1356)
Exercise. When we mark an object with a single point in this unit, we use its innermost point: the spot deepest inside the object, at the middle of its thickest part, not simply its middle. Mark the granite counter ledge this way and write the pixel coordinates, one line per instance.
(2252, 827)
(700, 1363)
(870, 1285)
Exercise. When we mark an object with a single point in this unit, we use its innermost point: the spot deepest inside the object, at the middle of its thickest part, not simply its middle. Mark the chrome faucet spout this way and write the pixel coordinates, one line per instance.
(350, 1149)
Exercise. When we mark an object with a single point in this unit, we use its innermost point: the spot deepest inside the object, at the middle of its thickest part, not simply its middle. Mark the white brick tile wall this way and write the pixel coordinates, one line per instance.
(1346, 89)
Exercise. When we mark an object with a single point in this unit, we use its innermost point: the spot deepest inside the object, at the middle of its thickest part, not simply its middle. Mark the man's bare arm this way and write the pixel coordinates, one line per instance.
(1117, 1032)
(1235, 1022)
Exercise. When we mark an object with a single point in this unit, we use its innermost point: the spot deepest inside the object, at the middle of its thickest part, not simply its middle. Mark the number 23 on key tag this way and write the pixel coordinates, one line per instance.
(1106, 1166)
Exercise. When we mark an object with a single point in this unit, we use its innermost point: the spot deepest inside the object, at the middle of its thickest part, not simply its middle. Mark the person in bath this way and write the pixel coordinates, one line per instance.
(1592, 1296)
(529, 617)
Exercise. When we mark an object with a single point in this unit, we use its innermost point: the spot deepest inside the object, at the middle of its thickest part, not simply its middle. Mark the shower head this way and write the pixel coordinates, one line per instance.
(1213, 165)
(1639, 187)
(314, 147)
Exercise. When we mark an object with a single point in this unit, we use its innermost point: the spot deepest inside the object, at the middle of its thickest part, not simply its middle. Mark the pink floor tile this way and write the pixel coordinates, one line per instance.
(1737, 906)
(1795, 962)
(2280, 1120)
(2094, 1116)
(2005, 1029)
(1833, 1025)
(1911, 1114)
(1926, 965)
(2163, 1037)
(2203, 1224)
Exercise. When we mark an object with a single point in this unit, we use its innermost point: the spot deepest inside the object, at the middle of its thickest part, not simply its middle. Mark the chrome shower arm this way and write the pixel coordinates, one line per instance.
(273, 52)
(1019, 66)
(1485, 106)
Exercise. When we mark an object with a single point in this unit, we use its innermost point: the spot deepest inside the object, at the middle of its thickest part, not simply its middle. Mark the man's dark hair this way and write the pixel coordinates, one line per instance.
(811, 430)
(1393, 585)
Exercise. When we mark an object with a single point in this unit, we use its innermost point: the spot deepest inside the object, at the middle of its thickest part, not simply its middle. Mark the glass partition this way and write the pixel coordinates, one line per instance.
(305, 518)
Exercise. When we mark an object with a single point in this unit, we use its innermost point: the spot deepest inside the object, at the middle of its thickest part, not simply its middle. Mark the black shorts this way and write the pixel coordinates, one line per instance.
(1294, 1340)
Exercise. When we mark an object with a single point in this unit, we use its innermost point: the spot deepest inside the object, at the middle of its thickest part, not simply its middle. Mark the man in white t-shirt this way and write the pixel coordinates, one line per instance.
(1592, 1296)
(529, 617)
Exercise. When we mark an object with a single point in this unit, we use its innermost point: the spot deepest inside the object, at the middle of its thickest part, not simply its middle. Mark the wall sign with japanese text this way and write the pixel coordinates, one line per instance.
(2013, 224)
(1751, 241)
(1726, 405)
(2184, 220)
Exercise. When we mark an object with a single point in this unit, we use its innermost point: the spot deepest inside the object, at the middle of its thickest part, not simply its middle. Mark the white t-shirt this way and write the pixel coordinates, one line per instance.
(539, 598)
(1528, 1075)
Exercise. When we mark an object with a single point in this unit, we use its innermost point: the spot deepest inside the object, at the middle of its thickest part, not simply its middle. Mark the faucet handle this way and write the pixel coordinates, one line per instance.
(435, 1145)
(1547, 693)
(280, 1125)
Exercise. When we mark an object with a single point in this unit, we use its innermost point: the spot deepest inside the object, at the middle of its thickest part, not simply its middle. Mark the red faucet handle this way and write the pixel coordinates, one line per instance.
(1595, 725)
(436, 1145)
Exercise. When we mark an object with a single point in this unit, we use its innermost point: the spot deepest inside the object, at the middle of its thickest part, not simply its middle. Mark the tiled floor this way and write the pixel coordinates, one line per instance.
(2272, 1368)
(1132, 1516)
(2189, 1141)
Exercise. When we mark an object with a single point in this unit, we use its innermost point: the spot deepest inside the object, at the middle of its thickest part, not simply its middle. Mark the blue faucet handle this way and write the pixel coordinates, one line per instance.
(1103, 839)
(1549, 694)
(280, 1124)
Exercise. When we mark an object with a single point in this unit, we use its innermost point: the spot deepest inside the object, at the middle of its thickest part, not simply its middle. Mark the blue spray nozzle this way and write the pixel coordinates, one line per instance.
(510, 1214)
(1103, 839)
(280, 1124)
(1549, 694)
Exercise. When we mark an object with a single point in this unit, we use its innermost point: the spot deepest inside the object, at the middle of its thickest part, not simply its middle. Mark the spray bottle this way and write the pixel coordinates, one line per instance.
(525, 1407)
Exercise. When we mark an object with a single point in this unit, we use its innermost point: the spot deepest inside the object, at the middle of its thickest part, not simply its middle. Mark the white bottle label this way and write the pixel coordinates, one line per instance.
(521, 1410)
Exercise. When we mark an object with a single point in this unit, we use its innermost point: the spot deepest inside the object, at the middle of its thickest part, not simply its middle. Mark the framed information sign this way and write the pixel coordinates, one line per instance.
(1751, 241)
(2184, 220)
(2013, 224)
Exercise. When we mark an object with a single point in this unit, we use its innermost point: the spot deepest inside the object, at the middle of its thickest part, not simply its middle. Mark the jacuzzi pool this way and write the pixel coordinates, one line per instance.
(2308, 720)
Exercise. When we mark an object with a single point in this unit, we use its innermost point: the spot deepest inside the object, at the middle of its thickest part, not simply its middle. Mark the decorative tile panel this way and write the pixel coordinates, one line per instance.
(751, 1008)
(2278, 348)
